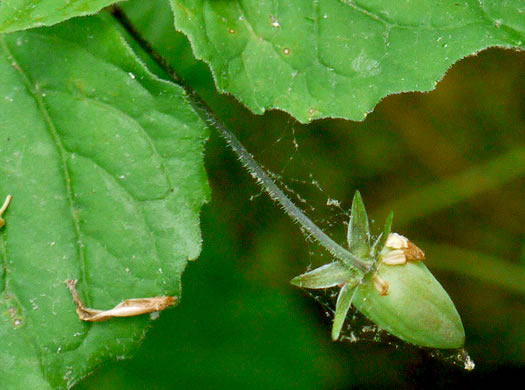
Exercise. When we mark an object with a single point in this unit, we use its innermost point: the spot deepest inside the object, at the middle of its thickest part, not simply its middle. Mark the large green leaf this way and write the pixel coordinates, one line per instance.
(233, 331)
(339, 58)
(104, 162)
(23, 14)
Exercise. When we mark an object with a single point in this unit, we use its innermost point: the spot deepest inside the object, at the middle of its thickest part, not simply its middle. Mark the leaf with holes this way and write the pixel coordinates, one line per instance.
(18, 15)
(339, 58)
(104, 162)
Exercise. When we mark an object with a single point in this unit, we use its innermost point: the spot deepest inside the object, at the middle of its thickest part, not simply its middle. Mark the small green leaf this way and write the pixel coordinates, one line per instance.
(344, 302)
(328, 275)
(105, 164)
(381, 241)
(417, 309)
(358, 235)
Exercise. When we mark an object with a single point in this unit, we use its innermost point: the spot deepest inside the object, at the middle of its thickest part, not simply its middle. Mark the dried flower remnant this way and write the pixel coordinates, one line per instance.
(398, 250)
(128, 308)
(381, 285)
(4, 208)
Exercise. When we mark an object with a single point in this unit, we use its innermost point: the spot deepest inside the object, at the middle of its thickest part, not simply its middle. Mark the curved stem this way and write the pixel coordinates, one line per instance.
(268, 185)
(256, 171)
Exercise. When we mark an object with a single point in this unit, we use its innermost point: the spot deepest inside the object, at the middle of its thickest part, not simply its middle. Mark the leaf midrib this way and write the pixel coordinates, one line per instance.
(61, 152)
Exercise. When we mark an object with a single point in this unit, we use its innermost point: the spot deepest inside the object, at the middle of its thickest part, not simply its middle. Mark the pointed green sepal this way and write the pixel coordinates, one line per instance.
(358, 230)
(344, 301)
(381, 241)
(329, 275)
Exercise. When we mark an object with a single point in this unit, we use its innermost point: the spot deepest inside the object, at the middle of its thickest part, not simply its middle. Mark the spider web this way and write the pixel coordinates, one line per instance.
(357, 328)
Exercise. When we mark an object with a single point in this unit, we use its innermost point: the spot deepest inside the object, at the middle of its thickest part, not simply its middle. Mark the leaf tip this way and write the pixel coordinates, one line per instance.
(297, 281)
(357, 198)
(336, 332)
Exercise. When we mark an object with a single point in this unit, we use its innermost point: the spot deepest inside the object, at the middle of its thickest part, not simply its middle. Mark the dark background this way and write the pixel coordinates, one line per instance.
(450, 164)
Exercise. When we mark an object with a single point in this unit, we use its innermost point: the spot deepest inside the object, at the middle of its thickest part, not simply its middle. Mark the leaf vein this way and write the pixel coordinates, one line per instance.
(33, 91)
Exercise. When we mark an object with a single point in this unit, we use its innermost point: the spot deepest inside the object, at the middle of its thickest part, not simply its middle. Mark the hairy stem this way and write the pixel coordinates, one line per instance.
(262, 178)
(255, 170)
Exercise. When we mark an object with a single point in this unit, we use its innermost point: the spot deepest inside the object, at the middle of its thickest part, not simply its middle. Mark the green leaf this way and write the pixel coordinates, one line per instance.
(261, 333)
(358, 234)
(154, 20)
(329, 275)
(104, 162)
(18, 15)
(344, 302)
(381, 241)
(339, 58)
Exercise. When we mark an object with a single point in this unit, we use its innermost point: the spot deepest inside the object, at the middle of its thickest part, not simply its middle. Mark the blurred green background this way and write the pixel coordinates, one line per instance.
(451, 165)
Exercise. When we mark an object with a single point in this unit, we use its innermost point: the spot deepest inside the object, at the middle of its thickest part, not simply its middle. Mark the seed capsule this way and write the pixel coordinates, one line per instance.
(416, 309)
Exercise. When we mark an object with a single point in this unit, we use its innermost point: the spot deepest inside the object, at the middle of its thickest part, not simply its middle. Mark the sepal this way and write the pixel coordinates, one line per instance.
(381, 241)
(344, 302)
(329, 275)
(358, 235)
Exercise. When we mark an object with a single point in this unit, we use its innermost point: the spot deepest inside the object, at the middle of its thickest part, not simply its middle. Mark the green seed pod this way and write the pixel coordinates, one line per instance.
(414, 306)
(394, 289)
